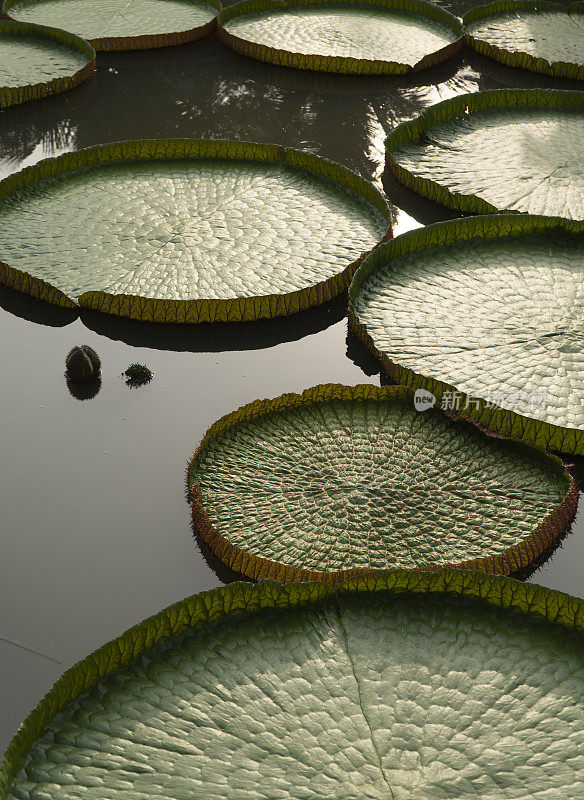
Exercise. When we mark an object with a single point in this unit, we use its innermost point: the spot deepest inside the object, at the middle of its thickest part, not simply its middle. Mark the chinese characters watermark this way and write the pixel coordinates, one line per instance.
(453, 400)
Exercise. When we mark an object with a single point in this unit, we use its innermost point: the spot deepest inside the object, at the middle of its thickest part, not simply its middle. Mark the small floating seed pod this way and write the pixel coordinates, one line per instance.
(83, 364)
(137, 375)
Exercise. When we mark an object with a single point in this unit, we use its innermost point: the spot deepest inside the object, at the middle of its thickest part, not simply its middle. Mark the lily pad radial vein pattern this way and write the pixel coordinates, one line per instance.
(111, 25)
(539, 36)
(187, 230)
(486, 313)
(344, 479)
(376, 37)
(504, 150)
(36, 61)
(300, 690)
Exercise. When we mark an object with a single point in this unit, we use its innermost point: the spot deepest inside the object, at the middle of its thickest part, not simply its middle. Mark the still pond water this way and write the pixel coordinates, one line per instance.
(95, 530)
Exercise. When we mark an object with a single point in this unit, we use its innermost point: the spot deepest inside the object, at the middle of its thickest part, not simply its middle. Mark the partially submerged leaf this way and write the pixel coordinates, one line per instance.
(398, 685)
(346, 478)
(505, 150)
(374, 37)
(532, 34)
(486, 313)
(187, 230)
(111, 25)
(36, 61)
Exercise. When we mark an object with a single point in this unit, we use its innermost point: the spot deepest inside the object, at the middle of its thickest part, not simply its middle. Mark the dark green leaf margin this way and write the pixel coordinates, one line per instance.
(517, 58)
(507, 562)
(14, 95)
(353, 66)
(190, 311)
(496, 421)
(536, 602)
(146, 41)
(460, 107)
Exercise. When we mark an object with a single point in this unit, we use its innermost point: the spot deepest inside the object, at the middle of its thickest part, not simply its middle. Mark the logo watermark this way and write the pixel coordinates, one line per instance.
(452, 400)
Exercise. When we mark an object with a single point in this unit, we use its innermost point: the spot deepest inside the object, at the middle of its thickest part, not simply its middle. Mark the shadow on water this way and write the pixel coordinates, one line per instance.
(204, 337)
(83, 391)
(223, 573)
(360, 355)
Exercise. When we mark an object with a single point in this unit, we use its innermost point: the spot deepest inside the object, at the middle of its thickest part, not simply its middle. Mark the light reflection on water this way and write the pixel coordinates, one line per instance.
(95, 528)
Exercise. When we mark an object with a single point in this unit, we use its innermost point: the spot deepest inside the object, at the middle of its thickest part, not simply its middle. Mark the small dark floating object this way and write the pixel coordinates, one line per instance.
(84, 390)
(137, 375)
(83, 364)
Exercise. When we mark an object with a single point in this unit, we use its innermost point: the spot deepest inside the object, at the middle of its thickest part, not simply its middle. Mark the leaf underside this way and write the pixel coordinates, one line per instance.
(382, 688)
(489, 308)
(354, 478)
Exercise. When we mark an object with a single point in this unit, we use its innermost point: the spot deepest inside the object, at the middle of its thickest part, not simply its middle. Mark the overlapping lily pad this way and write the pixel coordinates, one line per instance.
(187, 230)
(505, 150)
(37, 61)
(485, 313)
(343, 479)
(111, 25)
(540, 36)
(367, 37)
(397, 685)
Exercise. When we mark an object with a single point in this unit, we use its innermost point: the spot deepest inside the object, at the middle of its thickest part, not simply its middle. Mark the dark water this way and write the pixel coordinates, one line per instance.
(95, 531)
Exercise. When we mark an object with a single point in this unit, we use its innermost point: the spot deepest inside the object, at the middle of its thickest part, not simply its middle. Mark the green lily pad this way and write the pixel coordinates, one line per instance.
(368, 37)
(505, 150)
(539, 36)
(395, 686)
(133, 25)
(36, 62)
(185, 230)
(485, 313)
(344, 479)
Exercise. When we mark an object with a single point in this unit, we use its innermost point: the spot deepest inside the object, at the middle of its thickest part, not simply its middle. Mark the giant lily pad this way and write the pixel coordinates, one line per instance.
(111, 25)
(187, 230)
(36, 61)
(485, 313)
(368, 37)
(539, 36)
(344, 479)
(397, 685)
(505, 150)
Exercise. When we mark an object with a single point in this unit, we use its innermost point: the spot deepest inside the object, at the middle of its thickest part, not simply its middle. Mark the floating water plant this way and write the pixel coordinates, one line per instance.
(505, 150)
(539, 36)
(36, 61)
(368, 37)
(185, 230)
(396, 685)
(352, 478)
(486, 314)
(82, 364)
(137, 375)
(108, 25)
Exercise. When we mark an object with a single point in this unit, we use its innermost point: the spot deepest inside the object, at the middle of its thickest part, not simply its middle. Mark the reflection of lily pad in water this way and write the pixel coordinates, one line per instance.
(397, 685)
(539, 36)
(504, 150)
(347, 479)
(187, 230)
(486, 313)
(36, 62)
(111, 25)
(387, 36)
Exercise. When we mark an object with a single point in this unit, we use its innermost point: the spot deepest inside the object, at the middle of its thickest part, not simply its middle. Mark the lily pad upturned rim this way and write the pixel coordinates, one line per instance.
(535, 602)
(494, 421)
(507, 562)
(340, 64)
(518, 58)
(14, 95)
(200, 310)
(144, 41)
(458, 108)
